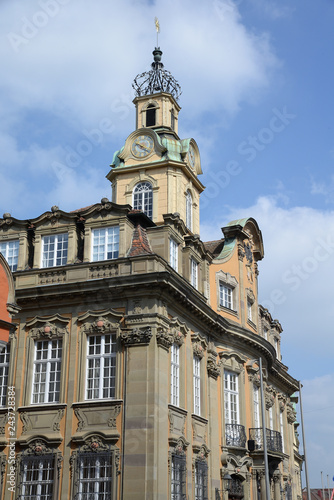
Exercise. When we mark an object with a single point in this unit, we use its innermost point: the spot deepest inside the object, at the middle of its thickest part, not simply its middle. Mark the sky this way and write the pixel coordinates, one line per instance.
(257, 82)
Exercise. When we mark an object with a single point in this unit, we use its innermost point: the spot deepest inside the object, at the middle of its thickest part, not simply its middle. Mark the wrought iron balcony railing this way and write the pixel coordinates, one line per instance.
(235, 435)
(274, 439)
(235, 490)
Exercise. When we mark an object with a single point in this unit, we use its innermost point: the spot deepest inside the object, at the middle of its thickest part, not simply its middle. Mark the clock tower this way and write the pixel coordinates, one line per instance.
(156, 171)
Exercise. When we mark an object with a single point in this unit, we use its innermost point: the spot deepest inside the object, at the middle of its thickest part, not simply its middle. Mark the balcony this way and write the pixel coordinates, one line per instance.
(235, 435)
(235, 490)
(274, 440)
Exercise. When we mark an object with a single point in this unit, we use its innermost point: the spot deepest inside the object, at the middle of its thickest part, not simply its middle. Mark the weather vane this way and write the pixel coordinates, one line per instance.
(157, 27)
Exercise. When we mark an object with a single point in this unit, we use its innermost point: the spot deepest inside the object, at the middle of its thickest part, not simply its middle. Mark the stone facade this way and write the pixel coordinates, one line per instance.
(135, 361)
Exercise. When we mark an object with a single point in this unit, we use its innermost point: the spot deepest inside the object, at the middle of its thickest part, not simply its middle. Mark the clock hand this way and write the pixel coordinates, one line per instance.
(142, 147)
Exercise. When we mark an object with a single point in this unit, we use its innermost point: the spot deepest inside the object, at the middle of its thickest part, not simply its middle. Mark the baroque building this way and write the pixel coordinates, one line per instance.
(136, 355)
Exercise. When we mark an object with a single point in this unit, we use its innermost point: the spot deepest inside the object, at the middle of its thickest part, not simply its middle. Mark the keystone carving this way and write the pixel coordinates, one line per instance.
(115, 411)
(211, 365)
(164, 338)
(48, 331)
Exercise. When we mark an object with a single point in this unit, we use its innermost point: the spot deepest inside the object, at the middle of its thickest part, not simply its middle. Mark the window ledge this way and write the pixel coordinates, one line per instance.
(228, 310)
(97, 402)
(41, 406)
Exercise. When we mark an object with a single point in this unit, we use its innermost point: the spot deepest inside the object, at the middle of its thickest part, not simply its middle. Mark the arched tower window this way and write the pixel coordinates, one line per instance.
(189, 210)
(143, 198)
(150, 115)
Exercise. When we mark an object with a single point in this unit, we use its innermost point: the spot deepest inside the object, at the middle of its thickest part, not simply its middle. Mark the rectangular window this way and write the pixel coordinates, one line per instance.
(194, 273)
(173, 254)
(47, 366)
(282, 429)
(37, 478)
(231, 398)
(197, 385)
(178, 477)
(4, 367)
(201, 480)
(101, 367)
(10, 250)
(54, 250)
(105, 243)
(94, 476)
(271, 419)
(256, 402)
(249, 310)
(265, 333)
(175, 374)
(225, 296)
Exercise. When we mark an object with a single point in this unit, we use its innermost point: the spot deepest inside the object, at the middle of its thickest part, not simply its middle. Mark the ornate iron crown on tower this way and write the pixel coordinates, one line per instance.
(157, 80)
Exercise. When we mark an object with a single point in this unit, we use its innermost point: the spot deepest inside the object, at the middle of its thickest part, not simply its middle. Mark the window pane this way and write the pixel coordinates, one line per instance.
(54, 250)
(10, 250)
(101, 366)
(47, 371)
(143, 198)
(105, 243)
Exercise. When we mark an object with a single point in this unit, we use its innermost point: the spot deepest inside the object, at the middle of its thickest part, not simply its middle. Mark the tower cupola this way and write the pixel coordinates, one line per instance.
(157, 93)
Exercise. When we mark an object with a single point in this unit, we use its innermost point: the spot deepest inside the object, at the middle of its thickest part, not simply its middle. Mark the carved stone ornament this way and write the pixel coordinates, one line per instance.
(253, 374)
(27, 424)
(164, 337)
(202, 453)
(199, 345)
(269, 396)
(241, 252)
(48, 331)
(291, 413)
(115, 411)
(3, 422)
(179, 330)
(181, 446)
(232, 360)
(248, 252)
(282, 402)
(94, 443)
(100, 326)
(38, 447)
(137, 336)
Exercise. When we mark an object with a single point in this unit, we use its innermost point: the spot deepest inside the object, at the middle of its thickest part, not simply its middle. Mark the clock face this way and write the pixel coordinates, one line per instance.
(142, 146)
(191, 156)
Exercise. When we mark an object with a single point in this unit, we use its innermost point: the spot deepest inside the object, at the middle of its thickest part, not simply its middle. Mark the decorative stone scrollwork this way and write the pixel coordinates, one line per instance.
(115, 411)
(199, 345)
(241, 252)
(213, 368)
(48, 331)
(164, 338)
(81, 419)
(100, 326)
(269, 396)
(202, 453)
(291, 413)
(56, 422)
(282, 402)
(181, 446)
(94, 444)
(3, 422)
(253, 374)
(137, 336)
(27, 424)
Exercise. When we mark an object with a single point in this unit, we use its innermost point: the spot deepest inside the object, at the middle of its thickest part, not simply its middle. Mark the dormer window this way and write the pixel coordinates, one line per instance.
(54, 250)
(10, 250)
(150, 115)
(143, 198)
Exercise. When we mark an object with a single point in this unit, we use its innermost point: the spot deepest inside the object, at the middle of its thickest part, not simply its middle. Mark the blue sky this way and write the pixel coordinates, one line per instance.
(257, 80)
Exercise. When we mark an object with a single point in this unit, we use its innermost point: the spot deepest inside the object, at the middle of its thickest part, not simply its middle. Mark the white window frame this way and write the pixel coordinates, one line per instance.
(47, 371)
(225, 295)
(231, 397)
(197, 384)
(173, 254)
(142, 198)
(256, 405)
(4, 369)
(57, 256)
(101, 358)
(189, 210)
(175, 375)
(105, 243)
(265, 332)
(10, 250)
(194, 273)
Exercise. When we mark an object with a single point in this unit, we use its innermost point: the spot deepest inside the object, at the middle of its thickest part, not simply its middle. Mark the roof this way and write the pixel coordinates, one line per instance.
(214, 247)
(140, 244)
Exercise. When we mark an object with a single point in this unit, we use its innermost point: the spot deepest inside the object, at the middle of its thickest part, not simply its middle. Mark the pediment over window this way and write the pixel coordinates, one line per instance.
(48, 327)
(232, 360)
(100, 321)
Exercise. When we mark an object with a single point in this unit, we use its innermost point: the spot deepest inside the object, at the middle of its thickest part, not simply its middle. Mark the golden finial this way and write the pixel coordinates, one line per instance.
(157, 27)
